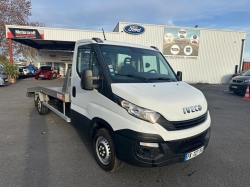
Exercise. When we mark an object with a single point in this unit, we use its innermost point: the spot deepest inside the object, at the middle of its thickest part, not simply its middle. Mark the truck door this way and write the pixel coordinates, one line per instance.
(84, 103)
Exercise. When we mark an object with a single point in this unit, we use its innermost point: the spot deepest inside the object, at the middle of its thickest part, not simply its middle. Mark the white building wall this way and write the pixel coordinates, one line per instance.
(153, 35)
(54, 56)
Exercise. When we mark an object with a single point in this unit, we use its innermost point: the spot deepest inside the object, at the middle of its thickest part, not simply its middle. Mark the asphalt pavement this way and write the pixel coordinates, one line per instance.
(46, 151)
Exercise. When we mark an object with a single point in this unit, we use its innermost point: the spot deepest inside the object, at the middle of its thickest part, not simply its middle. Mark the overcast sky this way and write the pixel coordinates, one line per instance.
(98, 14)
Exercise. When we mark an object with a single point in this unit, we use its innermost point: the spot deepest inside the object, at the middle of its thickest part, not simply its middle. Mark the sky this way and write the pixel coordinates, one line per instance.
(98, 14)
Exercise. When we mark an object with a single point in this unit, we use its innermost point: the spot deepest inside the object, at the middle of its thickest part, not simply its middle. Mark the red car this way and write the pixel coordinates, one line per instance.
(45, 72)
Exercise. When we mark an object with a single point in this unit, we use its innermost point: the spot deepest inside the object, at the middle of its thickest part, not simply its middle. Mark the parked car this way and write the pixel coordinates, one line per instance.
(24, 71)
(3, 78)
(32, 69)
(45, 72)
(239, 83)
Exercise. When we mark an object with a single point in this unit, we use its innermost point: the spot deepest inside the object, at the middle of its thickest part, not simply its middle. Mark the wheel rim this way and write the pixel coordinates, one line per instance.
(103, 150)
(39, 104)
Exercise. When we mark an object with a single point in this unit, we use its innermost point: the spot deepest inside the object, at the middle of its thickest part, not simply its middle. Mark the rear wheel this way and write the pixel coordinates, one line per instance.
(105, 152)
(41, 108)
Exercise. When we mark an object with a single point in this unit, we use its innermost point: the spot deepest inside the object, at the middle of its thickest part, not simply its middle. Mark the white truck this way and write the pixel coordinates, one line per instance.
(130, 102)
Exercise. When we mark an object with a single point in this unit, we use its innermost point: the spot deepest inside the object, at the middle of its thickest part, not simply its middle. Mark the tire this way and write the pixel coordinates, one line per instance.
(41, 109)
(104, 151)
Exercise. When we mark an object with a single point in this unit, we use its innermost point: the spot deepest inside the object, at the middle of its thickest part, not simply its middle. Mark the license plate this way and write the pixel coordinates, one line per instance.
(193, 154)
(235, 87)
(41, 75)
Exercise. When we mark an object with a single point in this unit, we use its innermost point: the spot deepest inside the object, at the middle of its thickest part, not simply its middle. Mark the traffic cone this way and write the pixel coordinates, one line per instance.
(247, 96)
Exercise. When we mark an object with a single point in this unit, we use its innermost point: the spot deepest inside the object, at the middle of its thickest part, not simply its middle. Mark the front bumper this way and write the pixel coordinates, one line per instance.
(169, 152)
(28, 74)
(44, 76)
(238, 87)
(4, 81)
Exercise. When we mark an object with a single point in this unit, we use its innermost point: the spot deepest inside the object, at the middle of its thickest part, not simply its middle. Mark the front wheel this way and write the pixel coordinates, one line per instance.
(105, 152)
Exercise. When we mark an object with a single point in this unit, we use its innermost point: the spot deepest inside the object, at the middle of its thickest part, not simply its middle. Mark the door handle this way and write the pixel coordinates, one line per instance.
(73, 91)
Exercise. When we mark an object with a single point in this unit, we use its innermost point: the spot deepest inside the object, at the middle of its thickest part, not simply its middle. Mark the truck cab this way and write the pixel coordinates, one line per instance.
(134, 107)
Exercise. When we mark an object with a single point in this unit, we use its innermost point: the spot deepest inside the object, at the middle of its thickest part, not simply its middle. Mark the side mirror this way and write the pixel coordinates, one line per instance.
(87, 80)
(147, 65)
(179, 75)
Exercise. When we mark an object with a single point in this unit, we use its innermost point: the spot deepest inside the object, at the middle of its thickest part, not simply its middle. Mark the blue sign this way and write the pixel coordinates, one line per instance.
(134, 29)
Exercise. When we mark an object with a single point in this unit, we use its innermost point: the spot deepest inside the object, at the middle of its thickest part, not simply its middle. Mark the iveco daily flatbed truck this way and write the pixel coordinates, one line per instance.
(130, 102)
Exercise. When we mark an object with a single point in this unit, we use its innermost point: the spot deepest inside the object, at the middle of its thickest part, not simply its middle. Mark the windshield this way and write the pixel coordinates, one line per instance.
(246, 73)
(128, 64)
(47, 68)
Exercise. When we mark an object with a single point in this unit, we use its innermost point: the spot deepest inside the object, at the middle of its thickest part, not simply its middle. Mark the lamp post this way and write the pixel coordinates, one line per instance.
(10, 51)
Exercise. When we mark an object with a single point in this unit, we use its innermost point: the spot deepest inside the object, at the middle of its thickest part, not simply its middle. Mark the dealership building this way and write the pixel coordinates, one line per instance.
(203, 55)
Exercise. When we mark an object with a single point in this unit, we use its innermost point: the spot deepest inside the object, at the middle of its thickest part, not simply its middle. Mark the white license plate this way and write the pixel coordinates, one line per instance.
(193, 154)
(41, 75)
(235, 87)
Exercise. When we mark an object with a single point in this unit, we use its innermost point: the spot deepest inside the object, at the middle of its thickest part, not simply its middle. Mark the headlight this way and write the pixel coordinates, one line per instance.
(139, 112)
(248, 80)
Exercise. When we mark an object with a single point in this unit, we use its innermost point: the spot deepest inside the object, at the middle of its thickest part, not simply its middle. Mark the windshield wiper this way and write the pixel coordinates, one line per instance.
(163, 78)
(134, 76)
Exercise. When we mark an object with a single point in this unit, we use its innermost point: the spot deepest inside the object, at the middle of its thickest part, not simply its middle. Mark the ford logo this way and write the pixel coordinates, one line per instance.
(134, 29)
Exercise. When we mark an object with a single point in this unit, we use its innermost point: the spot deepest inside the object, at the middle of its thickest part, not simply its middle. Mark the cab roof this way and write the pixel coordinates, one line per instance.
(107, 42)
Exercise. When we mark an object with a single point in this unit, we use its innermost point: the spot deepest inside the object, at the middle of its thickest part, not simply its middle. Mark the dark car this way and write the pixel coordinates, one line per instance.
(239, 83)
(45, 72)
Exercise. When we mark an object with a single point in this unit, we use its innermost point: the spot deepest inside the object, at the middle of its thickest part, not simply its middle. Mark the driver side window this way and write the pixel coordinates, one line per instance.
(149, 63)
(87, 59)
(152, 63)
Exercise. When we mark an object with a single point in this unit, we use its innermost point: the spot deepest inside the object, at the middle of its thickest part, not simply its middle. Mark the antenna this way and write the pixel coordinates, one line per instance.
(103, 34)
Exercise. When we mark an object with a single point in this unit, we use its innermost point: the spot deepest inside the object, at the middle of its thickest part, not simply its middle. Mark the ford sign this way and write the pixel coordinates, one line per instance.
(134, 29)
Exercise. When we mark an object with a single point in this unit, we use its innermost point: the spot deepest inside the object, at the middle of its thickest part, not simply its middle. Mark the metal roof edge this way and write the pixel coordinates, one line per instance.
(34, 27)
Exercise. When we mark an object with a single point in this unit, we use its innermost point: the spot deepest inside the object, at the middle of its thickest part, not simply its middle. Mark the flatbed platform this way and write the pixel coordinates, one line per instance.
(56, 92)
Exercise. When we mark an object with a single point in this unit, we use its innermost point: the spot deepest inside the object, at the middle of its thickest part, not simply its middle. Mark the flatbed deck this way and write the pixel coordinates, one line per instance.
(56, 92)
(51, 97)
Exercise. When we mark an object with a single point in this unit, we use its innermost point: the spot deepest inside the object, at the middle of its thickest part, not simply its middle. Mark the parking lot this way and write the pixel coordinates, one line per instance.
(47, 151)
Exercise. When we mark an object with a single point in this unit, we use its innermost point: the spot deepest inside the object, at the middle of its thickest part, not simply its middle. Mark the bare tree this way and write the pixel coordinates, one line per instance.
(15, 12)
(27, 52)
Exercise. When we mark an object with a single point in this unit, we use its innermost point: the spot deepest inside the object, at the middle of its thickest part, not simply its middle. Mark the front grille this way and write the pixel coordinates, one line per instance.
(188, 144)
(238, 81)
(180, 125)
